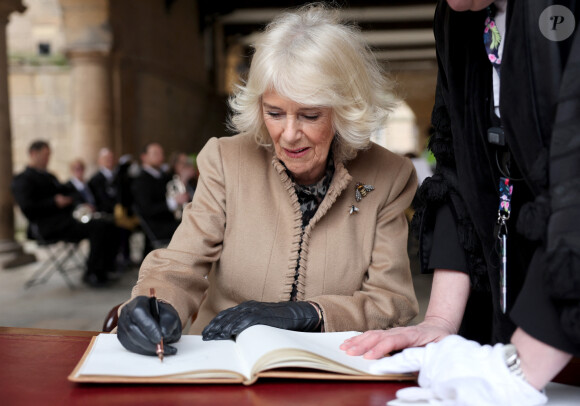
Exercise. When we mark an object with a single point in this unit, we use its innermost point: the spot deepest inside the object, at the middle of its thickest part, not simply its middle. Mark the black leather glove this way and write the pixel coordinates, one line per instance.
(299, 316)
(139, 332)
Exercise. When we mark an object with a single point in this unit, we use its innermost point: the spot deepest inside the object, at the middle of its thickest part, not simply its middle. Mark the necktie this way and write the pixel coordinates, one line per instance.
(492, 39)
(88, 196)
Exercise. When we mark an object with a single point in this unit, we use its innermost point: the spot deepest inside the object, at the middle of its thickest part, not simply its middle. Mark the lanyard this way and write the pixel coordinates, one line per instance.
(503, 215)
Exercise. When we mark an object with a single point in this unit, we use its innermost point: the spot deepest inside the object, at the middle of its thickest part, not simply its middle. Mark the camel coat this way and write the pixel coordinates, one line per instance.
(239, 240)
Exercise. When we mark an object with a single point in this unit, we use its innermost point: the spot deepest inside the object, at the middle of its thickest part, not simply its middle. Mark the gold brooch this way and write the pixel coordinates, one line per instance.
(353, 209)
(361, 190)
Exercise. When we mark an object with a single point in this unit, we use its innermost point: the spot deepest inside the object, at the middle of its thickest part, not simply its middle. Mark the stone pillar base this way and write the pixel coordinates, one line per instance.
(23, 258)
(10, 247)
(18, 257)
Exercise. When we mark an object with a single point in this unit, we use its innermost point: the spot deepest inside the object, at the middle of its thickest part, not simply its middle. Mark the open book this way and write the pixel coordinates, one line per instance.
(259, 351)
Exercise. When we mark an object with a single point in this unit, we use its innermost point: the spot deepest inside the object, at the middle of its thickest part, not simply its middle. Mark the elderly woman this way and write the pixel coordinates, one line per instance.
(298, 220)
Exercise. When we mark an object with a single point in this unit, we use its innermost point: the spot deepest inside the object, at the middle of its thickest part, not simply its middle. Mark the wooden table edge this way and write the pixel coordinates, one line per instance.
(46, 332)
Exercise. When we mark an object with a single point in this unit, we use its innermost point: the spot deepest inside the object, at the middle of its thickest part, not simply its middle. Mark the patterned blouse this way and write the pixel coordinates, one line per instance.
(310, 197)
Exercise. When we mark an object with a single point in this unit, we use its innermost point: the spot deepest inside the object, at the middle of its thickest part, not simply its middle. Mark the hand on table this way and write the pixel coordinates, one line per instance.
(139, 332)
(299, 316)
(456, 371)
(376, 344)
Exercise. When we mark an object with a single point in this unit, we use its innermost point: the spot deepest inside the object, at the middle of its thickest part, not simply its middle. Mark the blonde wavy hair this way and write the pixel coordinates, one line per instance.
(312, 58)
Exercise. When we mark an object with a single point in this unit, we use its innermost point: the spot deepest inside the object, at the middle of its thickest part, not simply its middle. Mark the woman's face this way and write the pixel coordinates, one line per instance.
(301, 135)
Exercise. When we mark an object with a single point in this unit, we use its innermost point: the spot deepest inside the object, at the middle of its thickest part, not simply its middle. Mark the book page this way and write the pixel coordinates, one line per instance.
(267, 347)
(194, 357)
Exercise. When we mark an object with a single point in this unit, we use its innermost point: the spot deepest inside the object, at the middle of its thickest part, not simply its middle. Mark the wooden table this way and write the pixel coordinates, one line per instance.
(34, 365)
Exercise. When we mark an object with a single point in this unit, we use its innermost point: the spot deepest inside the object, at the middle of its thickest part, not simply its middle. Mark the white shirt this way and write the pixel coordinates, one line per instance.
(156, 173)
(107, 173)
(78, 184)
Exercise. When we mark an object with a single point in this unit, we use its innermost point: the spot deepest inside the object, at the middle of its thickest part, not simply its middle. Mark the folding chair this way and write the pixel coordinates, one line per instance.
(60, 253)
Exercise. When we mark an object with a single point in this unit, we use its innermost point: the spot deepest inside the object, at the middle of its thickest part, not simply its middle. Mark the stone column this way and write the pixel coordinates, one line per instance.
(7, 242)
(91, 126)
(88, 43)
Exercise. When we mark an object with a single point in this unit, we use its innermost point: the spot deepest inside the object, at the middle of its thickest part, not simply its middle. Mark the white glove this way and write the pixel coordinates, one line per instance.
(456, 371)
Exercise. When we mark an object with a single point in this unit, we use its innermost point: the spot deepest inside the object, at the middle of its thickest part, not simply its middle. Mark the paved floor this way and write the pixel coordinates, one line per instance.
(54, 306)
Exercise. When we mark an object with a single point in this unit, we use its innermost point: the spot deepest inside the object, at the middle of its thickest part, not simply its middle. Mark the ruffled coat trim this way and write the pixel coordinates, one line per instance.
(299, 252)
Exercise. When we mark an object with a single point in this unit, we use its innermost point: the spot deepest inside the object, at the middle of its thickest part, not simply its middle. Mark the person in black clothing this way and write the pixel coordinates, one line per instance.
(105, 186)
(506, 107)
(103, 183)
(79, 189)
(49, 205)
(126, 171)
(149, 191)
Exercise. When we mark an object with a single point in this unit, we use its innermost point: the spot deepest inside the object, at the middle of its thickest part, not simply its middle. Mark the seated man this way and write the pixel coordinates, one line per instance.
(105, 186)
(79, 189)
(48, 204)
(149, 190)
(103, 183)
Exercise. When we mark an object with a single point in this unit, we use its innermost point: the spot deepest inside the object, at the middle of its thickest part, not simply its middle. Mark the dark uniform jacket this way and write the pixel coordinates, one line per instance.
(104, 191)
(34, 193)
(149, 195)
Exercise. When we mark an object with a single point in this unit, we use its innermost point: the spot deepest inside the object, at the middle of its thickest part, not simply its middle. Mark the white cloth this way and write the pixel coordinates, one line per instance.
(456, 371)
(558, 395)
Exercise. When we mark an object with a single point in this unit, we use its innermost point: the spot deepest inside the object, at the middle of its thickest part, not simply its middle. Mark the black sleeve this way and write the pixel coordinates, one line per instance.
(35, 194)
(537, 313)
(443, 188)
(446, 252)
(98, 186)
(561, 276)
(149, 196)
